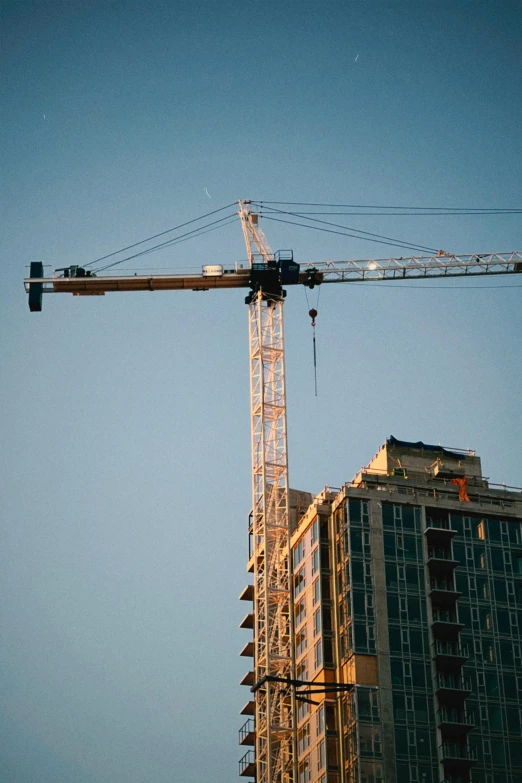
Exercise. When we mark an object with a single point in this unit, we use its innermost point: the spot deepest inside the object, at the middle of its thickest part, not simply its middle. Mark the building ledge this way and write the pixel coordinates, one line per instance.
(248, 679)
(247, 733)
(247, 594)
(450, 654)
(247, 765)
(247, 621)
(248, 650)
(439, 536)
(446, 629)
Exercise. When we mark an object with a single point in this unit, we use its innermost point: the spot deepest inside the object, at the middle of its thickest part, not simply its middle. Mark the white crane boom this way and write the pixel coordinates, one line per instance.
(265, 276)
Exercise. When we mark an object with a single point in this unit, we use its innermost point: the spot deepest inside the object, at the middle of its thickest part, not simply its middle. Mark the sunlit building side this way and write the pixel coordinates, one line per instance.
(407, 624)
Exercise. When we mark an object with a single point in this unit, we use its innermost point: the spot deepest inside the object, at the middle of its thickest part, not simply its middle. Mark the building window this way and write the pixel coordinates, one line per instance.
(319, 725)
(300, 612)
(315, 561)
(299, 552)
(318, 655)
(316, 597)
(313, 533)
(321, 756)
(303, 738)
(299, 581)
(317, 622)
(305, 774)
(301, 642)
(303, 708)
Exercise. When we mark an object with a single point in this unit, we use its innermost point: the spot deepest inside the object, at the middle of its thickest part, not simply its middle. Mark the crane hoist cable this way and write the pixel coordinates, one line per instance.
(312, 312)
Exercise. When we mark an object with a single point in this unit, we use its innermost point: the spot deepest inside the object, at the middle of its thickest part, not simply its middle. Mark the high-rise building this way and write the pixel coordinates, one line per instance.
(407, 608)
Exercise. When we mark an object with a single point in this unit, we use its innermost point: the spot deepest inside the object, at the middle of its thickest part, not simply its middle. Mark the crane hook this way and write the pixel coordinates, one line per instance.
(313, 315)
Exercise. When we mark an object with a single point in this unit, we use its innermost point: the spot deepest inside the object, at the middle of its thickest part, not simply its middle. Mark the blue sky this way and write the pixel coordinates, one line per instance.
(126, 448)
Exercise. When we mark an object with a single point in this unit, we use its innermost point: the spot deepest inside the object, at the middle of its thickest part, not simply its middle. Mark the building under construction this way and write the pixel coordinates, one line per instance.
(406, 622)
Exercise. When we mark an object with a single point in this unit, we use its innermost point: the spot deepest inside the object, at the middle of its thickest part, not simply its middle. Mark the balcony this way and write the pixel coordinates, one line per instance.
(247, 621)
(248, 650)
(440, 560)
(451, 688)
(445, 624)
(454, 723)
(247, 734)
(442, 592)
(248, 679)
(249, 708)
(438, 533)
(247, 594)
(457, 758)
(450, 654)
(247, 765)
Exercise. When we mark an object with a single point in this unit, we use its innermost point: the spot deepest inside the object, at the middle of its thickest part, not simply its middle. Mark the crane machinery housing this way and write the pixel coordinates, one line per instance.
(265, 277)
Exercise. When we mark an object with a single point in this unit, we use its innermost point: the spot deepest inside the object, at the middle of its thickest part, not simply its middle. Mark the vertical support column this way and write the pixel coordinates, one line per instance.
(273, 639)
(383, 644)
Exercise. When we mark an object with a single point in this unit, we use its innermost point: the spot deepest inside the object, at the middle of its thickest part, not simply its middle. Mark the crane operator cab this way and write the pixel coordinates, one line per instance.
(271, 275)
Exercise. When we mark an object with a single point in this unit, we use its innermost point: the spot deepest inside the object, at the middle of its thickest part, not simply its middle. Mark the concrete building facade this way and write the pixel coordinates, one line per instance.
(407, 607)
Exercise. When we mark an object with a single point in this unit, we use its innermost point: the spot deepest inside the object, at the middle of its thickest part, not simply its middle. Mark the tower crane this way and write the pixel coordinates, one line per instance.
(265, 277)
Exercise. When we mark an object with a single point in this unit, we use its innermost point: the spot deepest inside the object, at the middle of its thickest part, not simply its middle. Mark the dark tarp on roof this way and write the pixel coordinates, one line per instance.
(391, 441)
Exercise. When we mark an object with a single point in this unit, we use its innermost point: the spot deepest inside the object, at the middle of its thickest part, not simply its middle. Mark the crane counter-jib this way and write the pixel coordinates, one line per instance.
(100, 285)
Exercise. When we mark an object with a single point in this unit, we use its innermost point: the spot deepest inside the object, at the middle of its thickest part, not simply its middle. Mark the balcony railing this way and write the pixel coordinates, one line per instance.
(450, 652)
(452, 681)
(454, 750)
(452, 686)
(247, 765)
(444, 616)
(440, 561)
(445, 623)
(454, 723)
(247, 733)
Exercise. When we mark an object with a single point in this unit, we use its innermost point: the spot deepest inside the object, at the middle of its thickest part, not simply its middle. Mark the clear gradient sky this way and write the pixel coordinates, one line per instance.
(125, 473)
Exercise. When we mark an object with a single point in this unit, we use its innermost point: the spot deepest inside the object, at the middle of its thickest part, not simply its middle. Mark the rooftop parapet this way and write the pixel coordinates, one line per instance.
(408, 459)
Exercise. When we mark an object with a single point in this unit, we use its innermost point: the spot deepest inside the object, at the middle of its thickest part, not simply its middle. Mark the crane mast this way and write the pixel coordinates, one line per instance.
(273, 637)
(274, 655)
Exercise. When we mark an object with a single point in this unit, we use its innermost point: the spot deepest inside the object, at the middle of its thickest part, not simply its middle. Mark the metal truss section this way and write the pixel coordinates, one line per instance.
(443, 265)
(255, 240)
(273, 647)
